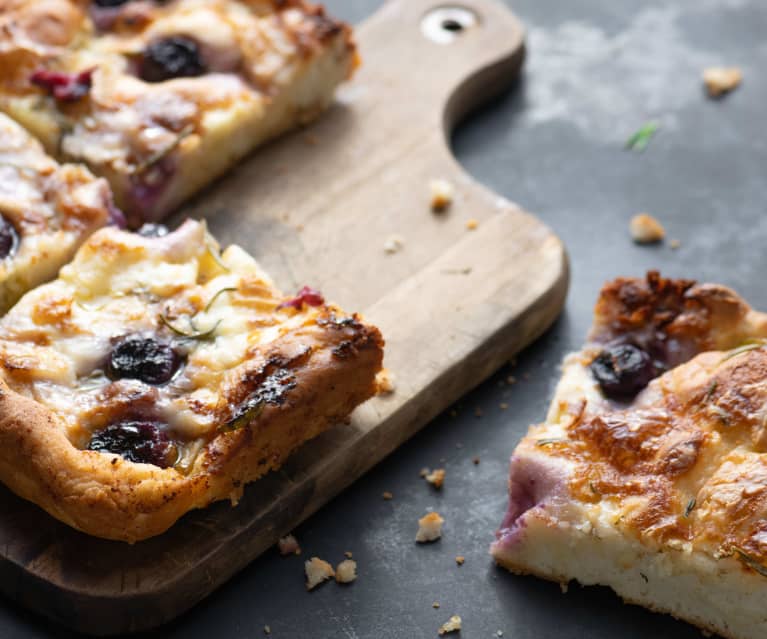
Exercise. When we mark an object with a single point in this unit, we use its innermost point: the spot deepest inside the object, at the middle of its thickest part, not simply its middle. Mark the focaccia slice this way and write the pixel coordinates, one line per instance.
(155, 376)
(649, 474)
(161, 97)
(46, 211)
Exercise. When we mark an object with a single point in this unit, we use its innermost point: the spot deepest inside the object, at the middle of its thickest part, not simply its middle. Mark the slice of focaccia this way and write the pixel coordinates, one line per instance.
(649, 474)
(46, 211)
(162, 96)
(156, 376)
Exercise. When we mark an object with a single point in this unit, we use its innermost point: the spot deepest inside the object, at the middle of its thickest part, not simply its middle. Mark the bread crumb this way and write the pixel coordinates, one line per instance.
(503, 405)
(387, 495)
(429, 528)
(645, 229)
(441, 192)
(475, 460)
(563, 588)
(460, 560)
(720, 80)
(478, 412)
(299, 227)
(436, 477)
(499, 633)
(452, 625)
(472, 224)
(424, 471)
(435, 604)
(511, 380)
(288, 546)
(393, 244)
(453, 413)
(311, 139)
(675, 244)
(348, 554)
(346, 571)
(385, 382)
(317, 571)
(267, 630)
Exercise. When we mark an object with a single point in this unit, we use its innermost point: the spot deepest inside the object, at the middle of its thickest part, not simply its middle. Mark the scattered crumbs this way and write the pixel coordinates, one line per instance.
(503, 405)
(675, 244)
(645, 229)
(454, 413)
(478, 412)
(393, 244)
(721, 80)
(424, 471)
(348, 554)
(511, 380)
(281, 169)
(563, 588)
(385, 382)
(288, 546)
(451, 625)
(346, 571)
(317, 571)
(466, 270)
(311, 139)
(435, 604)
(429, 528)
(459, 445)
(299, 227)
(501, 383)
(475, 460)
(513, 362)
(499, 633)
(460, 560)
(285, 216)
(472, 224)
(436, 478)
(267, 630)
(526, 376)
(441, 192)
(387, 495)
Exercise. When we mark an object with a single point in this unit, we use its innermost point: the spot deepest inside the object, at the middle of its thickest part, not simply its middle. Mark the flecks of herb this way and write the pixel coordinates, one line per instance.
(593, 488)
(749, 346)
(549, 441)
(711, 390)
(722, 414)
(228, 289)
(640, 139)
(750, 561)
(200, 335)
(643, 576)
(243, 418)
(158, 155)
(690, 506)
(212, 248)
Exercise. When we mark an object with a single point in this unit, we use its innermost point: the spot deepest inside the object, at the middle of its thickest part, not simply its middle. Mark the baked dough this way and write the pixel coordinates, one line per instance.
(155, 376)
(46, 211)
(658, 492)
(161, 97)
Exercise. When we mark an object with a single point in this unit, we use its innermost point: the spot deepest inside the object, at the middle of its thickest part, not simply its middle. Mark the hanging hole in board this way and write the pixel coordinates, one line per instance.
(445, 24)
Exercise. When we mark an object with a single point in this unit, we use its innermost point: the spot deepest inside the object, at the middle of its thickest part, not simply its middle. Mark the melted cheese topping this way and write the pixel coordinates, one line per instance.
(251, 50)
(55, 342)
(684, 465)
(52, 207)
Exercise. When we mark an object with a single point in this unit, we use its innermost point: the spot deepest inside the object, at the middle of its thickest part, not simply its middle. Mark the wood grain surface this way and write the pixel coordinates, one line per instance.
(316, 208)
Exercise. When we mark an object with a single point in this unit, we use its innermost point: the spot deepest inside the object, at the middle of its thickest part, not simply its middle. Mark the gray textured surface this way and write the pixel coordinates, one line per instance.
(596, 71)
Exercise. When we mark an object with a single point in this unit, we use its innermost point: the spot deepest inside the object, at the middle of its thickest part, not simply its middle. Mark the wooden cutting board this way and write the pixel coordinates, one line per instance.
(316, 208)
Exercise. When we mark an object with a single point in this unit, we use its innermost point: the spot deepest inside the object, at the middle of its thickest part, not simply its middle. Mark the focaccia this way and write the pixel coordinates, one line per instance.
(162, 96)
(46, 211)
(155, 376)
(649, 474)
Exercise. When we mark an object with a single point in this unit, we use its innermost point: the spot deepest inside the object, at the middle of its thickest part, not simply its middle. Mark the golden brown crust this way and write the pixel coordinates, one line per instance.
(277, 373)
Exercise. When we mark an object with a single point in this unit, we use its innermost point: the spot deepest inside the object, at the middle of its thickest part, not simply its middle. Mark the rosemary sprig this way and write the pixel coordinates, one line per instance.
(244, 418)
(690, 507)
(743, 348)
(210, 245)
(200, 335)
(639, 140)
(548, 441)
(228, 289)
(158, 155)
(750, 561)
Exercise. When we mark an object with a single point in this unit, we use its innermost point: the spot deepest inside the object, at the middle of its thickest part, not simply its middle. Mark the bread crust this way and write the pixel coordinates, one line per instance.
(678, 471)
(328, 362)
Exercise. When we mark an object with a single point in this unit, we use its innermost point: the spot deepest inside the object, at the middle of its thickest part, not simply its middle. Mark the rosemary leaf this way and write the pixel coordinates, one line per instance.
(690, 506)
(749, 346)
(549, 441)
(158, 155)
(200, 335)
(210, 245)
(244, 418)
(642, 137)
(750, 561)
(228, 289)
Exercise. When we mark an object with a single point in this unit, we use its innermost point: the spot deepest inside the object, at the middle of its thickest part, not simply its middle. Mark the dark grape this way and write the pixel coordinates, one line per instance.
(173, 57)
(142, 357)
(9, 238)
(137, 441)
(622, 370)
